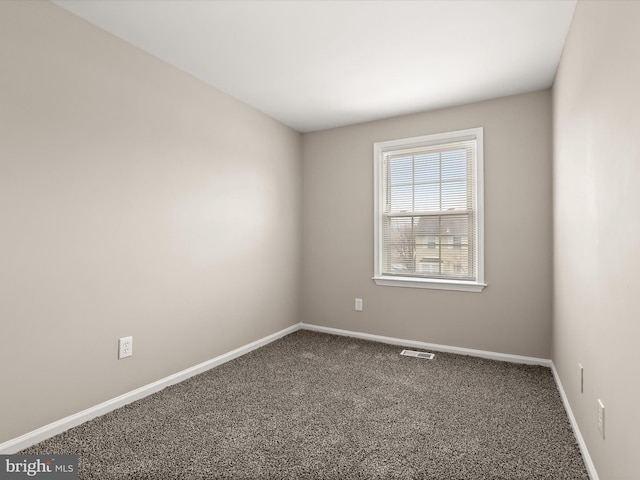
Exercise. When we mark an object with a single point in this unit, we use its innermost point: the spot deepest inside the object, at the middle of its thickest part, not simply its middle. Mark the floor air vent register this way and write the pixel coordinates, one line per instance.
(413, 353)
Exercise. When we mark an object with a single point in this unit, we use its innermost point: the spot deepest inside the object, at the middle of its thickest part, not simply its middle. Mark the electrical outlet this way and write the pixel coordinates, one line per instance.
(581, 378)
(358, 304)
(601, 417)
(125, 347)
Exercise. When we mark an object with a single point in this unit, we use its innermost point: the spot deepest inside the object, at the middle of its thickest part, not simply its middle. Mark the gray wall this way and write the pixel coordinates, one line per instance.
(513, 314)
(134, 200)
(120, 177)
(597, 229)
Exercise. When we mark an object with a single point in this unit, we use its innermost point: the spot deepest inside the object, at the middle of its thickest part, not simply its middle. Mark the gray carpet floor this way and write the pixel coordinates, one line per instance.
(317, 406)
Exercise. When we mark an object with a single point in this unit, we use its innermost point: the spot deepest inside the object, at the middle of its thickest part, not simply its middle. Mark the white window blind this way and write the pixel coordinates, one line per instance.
(428, 210)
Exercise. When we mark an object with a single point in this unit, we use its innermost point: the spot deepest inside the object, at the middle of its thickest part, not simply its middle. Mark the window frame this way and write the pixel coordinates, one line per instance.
(380, 148)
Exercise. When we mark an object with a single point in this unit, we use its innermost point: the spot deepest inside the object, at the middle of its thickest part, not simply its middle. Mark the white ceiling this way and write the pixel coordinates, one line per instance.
(316, 64)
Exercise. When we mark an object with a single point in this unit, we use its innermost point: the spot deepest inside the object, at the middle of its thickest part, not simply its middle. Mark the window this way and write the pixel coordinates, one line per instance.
(429, 211)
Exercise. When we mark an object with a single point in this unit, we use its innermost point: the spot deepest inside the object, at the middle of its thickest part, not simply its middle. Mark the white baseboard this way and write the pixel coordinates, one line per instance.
(593, 475)
(52, 429)
(591, 469)
(505, 357)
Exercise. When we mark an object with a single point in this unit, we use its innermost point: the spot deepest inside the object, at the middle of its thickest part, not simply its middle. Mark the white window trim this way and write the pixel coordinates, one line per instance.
(419, 282)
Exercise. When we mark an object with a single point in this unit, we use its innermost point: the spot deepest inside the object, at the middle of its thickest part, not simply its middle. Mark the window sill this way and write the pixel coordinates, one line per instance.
(433, 284)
